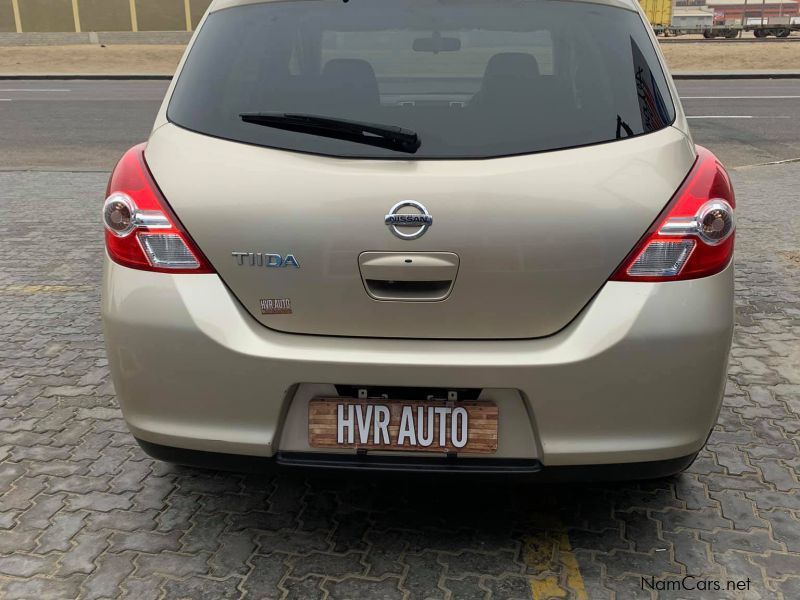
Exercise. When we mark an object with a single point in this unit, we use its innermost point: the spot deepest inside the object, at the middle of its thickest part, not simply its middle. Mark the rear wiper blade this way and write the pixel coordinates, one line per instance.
(372, 134)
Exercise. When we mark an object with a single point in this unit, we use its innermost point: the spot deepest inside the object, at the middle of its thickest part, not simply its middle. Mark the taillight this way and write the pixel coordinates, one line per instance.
(694, 235)
(142, 232)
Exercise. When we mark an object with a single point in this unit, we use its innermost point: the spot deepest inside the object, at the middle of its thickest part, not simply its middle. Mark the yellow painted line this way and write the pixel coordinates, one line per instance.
(187, 9)
(43, 289)
(17, 19)
(547, 589)
(556, 571)
(76, 15)
(571, 568)
(134, 17)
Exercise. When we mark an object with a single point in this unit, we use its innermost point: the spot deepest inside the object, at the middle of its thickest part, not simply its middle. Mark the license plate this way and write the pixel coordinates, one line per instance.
(421, 426)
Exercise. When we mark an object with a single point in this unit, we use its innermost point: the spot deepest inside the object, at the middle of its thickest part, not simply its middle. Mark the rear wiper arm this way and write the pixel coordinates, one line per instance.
(372, 134)
(623, 125)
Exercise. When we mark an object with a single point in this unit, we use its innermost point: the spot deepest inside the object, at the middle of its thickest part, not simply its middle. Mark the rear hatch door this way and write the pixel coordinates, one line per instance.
(517, 246)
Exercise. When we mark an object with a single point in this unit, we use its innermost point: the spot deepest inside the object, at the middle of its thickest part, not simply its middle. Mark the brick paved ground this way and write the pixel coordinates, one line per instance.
(84, 513)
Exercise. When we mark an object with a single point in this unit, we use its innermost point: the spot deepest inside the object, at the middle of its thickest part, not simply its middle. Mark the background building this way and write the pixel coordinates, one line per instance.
(692, 17)
(100, 15)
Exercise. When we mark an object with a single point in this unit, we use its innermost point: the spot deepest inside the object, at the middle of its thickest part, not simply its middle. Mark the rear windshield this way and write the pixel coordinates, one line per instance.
(475, 79)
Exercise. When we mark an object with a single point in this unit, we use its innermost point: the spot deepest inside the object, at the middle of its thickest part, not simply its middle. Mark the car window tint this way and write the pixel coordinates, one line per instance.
(475, 80)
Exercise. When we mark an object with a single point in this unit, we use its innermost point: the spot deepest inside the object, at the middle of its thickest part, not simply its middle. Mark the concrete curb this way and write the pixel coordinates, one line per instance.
(752, 40)
(776, 74)
(678, 76)
(109, 38)
(86, 77)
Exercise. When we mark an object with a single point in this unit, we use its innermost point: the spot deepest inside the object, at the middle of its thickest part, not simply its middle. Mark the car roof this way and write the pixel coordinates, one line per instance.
(221, 4)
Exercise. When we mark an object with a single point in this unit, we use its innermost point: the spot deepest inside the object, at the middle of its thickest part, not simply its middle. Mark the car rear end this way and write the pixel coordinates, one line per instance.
(420, 234)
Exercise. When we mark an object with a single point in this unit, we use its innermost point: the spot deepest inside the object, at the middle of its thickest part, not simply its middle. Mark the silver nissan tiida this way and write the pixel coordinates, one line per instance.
(422, 235)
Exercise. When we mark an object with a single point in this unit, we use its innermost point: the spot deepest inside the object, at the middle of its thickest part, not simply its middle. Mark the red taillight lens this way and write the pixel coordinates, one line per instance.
(694, 235)
(142, 232)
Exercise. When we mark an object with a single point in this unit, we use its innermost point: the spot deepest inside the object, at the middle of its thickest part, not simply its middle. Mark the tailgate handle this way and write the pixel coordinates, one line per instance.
(408, 276)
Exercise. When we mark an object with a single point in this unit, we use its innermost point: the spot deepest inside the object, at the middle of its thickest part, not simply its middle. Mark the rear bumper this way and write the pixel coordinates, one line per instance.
(637, 377)
(527, 469)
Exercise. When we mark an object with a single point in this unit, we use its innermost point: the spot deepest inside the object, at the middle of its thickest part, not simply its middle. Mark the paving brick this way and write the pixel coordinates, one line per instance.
(18, 540)
(41, 588)
(154, 493)
(67, 390)
(77, 484)
(423, 576)
(231, 558)
(88, 546)
(738, 509)
(386, 589)
(172, 564)
(511, 588)
(779, 565)
(292, 542)
(40, 453)
(101, 501)
(789, 588)
(706, 519)
(21, 493)
(43, 509)
(142, 589)
(107, 579)
(621, 562)
(327, 564)
(204, 534)
(266, 573)
(57, 537)
(26, 565)
(468, 588)
(494, 563)
(145, 541)
(123, 520)
(56, 468)
(693, 492)
(641, 530)
(732, 458)
(263, 521)
(131, 476)
(694, 554)
(8, 519)
(304, 589)
(756, 540)
(777, 474)
(384, 553)
(202, 588)
(785, 528)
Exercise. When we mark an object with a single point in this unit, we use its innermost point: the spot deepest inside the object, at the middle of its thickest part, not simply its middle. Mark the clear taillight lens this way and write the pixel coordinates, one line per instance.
(694, 235)
(662, 259)
(142, 232)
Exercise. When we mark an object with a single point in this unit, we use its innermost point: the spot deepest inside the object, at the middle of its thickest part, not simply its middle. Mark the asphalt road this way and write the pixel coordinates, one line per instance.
(745, 122)
(86, 125)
